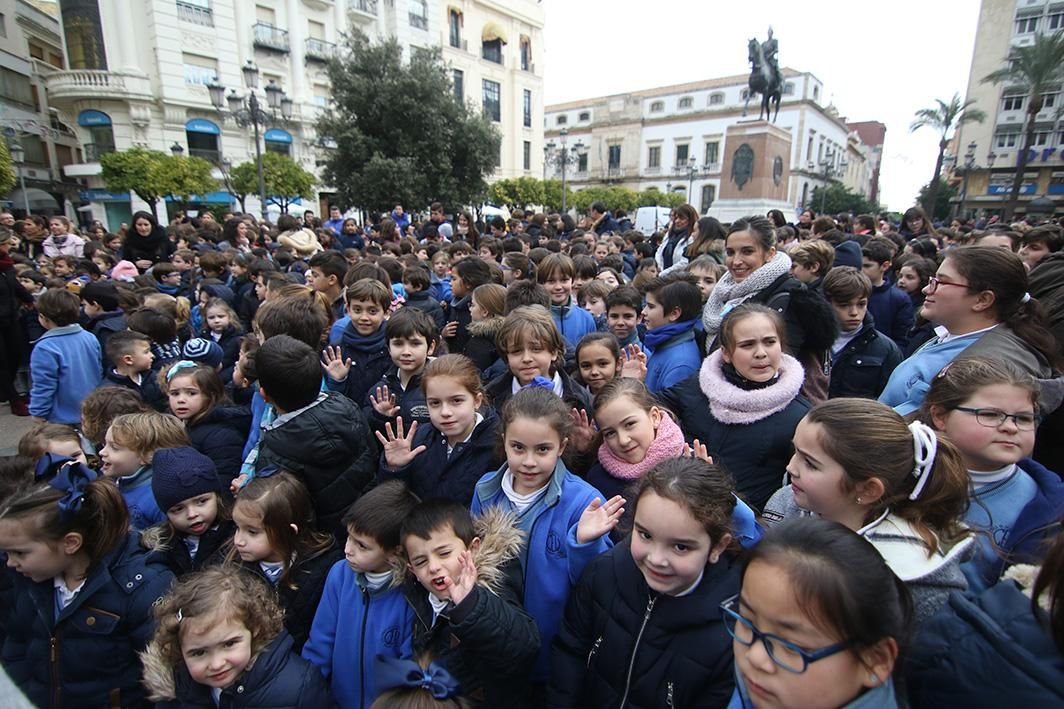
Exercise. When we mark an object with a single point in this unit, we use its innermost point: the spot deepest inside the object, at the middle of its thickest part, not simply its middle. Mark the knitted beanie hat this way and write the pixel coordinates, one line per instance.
(204, 351)
(181, 473)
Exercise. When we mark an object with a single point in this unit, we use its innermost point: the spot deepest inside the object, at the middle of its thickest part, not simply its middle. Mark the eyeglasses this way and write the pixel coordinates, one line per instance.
(784, 653)
(934, 282)
(992, 418)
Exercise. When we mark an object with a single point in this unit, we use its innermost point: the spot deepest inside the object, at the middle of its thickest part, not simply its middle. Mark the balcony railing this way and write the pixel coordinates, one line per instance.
(419, 21)
(319, 49)
(194, 14)
(92, 83)
(212, 156)
(270, 37)
(363, 7)
(93, 151)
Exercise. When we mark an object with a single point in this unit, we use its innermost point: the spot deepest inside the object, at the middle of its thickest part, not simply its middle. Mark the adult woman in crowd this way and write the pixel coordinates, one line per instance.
(466, 228)
(915, 223)
(706, 239)
(672, 253)
(62, 240)
(237, 232)
(759, 273)
(389, 231)
(302, 240)
(146, 243)
(776, 217)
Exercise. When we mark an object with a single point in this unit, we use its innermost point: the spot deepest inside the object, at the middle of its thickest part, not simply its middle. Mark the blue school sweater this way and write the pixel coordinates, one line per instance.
(573, 322)
(673, 359)
(911, 380)
(65, 366)
(551, 558)
(144, 512)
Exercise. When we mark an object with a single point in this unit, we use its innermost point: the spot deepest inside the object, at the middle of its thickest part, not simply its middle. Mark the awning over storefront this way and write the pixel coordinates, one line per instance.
(38, 199)
(202, 125)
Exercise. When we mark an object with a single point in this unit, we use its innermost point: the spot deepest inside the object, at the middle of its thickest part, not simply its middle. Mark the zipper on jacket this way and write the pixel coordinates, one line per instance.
(635, 650)
(594, 649)
(54, 675)
(668, 694)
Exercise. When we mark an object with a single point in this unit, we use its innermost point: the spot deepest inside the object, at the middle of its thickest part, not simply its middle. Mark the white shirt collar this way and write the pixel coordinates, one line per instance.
(516, 386)
(476, 422)
(944, 334)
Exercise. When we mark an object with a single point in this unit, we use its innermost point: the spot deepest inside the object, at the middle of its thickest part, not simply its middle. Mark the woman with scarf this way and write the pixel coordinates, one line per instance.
(672, 254)
(146, 243)
(758, 273)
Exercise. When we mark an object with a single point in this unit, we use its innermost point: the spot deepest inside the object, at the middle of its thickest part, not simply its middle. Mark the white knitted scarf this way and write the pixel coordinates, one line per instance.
(727, 294)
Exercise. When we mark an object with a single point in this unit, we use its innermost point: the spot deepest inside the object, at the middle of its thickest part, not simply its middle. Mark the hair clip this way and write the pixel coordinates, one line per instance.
(925, 447)
(1026, 298)
(180, 616)
(178, 366)
(72, 478)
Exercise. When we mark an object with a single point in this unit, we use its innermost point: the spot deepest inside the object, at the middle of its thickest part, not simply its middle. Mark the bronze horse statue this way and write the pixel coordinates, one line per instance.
(764, 80)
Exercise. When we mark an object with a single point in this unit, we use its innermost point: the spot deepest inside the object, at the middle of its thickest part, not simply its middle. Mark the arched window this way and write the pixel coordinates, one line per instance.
(278, 141)
(686, 102)
(101, 134)
(657, 107)
(716, 98)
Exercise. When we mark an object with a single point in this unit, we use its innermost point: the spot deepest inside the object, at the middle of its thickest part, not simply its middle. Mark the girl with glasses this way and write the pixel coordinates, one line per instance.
(820, 620)
(989, 410)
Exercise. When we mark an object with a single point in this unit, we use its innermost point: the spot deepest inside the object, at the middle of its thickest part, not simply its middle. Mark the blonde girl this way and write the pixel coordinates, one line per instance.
(219, 641)
(486, 312)
(221, 324)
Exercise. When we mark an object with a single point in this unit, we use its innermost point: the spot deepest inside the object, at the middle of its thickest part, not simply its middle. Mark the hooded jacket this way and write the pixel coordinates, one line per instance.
(106, 324)
(488, 641)
(435, 474)
(673, 360)
(221, 435)
(87, 655)
(480, 347)
(277, 678)
(892, 310)
(353, 625)
(330, 447)
(621, 644)
(863, 366)
(552, 559)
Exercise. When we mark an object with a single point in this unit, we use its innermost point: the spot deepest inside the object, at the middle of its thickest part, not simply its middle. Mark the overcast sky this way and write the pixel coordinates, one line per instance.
(878, 61)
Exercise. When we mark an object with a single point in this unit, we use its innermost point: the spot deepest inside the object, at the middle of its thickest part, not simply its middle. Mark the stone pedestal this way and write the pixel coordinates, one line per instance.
(756, 171)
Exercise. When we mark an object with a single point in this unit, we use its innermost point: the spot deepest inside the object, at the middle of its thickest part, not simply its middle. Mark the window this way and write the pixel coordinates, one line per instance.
(788, 88)
(1026, 25)
(709, 195)
(321, 100)
(712, 153)
(492, 51)
(84, 36)
(657, 107)
(278, 141)
(1012, 103)
(526, 54)
(3, 25)
(809, 148)
(315, 29)
(454, 25)
(1049, 100)
(527, 155)
(492, 100)
(199, 70)
(1006, 140)
(654, 156)
(265, 14)
(1056, 20)
(583, 117)
(527, 109)
(716, 99)
(561, 120)
(681, 155)
(614, 157)
(458, 79)
(581, 162)
(1040, 138)
(419, 14)
(816, 93)
(36, 51)
(686, 102)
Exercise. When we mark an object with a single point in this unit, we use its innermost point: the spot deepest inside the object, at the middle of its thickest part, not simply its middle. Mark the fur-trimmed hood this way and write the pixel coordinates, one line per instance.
(158, 674)
(488, 327)
(500, 542)
(157, 537)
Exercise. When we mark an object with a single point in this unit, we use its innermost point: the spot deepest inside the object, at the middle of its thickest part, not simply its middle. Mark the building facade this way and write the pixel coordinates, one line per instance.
(996, 143)
(138, 70)
(673, 138)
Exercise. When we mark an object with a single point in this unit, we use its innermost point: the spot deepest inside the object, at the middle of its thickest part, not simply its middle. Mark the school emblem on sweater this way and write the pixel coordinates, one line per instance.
(555, 547)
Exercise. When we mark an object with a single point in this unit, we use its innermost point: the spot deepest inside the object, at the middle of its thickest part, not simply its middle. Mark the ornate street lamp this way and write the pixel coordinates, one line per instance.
(562, 156)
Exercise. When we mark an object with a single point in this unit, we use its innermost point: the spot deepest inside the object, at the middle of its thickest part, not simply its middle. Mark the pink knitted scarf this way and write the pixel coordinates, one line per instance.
(668, 443)
(730, 404)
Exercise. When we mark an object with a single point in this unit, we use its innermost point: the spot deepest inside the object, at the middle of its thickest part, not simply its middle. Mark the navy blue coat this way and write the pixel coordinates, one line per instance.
(167, 547)
(229, 342)
(221, 435)
(892, 309)
(433, 474)
(367, 367)
(500, 390)
(424, 302)
(990, 650)
(459, 312)
(864, 365)
(88, 656)
(411, 401)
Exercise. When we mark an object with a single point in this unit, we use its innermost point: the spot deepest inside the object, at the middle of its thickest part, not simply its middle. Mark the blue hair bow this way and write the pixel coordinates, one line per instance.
(48, 465)
(393, 673)
(72, 478)
(543, 382)
(177, 367)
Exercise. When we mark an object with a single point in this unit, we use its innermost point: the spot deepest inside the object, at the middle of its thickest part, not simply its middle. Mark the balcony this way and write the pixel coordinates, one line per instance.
(364, 10)
(194, 14)
(319, 49)
(266, 36)
(96, 84)
(419, 21)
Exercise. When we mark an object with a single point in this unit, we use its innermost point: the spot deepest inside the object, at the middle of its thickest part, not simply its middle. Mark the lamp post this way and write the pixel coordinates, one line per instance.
(562, 155)
(248, 111)
(690, 171)
(828, 171)
(177, 150)
(18, 156)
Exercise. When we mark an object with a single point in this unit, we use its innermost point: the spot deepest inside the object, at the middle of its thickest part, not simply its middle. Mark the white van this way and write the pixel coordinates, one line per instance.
(651, 219)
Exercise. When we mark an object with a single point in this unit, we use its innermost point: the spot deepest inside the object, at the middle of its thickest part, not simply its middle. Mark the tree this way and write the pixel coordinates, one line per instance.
(7, 170)
(612, 197)
(285, 180)
(837, 198)
(1037, 69)
(152, 174)
(943, 200)
(399, 133)
(552, 195)
(653, 197)
(944, 118)
(519, 192)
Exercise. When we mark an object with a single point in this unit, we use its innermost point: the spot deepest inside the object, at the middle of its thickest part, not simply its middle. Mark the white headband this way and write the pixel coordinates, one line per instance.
(925, 446)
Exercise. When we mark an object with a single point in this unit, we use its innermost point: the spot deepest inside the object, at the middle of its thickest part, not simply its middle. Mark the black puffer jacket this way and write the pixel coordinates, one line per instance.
(864, 365)
(621, 644)
(172, 551)
(481, 344)
(154, 247)
(423, 301)
(278, 679)
(330, 447)
(221, 435)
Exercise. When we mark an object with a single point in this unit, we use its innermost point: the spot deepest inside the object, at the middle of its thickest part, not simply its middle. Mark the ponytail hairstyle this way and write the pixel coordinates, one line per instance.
(870, 440)
(77, 500)
(840, 582)
(1050, 581)
(206, 378)
(419, 683)
(759, 227)
(963, 377)
(456, 366)
(491, 298)
(703, 489)
(281, 500)
(988, 268)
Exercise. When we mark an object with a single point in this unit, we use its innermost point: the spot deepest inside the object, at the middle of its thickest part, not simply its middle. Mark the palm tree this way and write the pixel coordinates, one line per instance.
(944, 118)
(1036, 69)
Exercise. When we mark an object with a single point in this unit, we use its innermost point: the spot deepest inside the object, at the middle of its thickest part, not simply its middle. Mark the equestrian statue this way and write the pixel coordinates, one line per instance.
(765, 76)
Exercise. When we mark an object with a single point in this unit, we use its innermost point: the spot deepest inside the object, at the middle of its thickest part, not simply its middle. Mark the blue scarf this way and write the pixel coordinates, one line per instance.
(169, 290)
(365, 344)
(660, 335)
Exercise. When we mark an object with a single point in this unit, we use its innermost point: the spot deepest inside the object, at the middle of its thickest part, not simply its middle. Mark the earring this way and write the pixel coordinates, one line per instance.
(858, 500)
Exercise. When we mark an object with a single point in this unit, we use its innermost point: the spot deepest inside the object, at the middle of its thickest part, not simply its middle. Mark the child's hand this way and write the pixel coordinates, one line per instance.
(449, 330)
(397, 451)
(582, 433)
(238, 482)
(463, 585)
(599, 519)
(384, 403)
(333, 363)
(635, 363)
(698, 450)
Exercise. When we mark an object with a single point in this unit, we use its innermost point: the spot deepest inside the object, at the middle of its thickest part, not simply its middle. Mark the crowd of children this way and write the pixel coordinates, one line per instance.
(553, 465)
